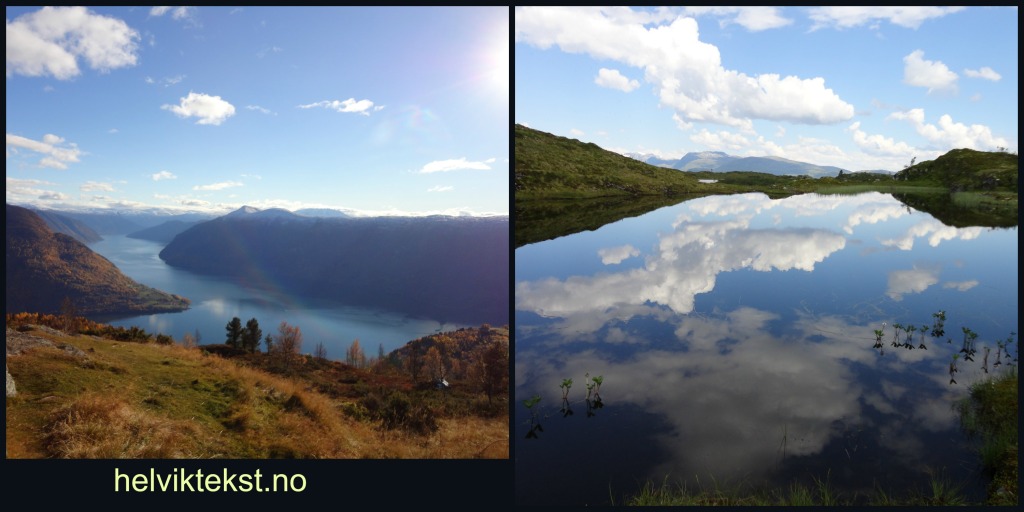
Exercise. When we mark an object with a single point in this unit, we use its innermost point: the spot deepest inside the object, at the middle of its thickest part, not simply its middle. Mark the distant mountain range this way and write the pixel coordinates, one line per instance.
(44, 268)
(718, 161)
(162, 233)
(439, 267)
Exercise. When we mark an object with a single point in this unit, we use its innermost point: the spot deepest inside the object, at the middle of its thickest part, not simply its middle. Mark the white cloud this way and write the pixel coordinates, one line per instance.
(986, 72)
(209, 109)
(878, 144)
(167, 81)
(441, 188)
(951, 135)
(92, 186)
(112, 130)
(453, 165)
(56, 154)
(753, 19)
(576, 133)
(164, 175)
(218, 186)
(50, 41)
(363, 107)
(178, 13)
(903, 282)
(612, 79)
(616, 255)
(925, 73)
(962, 286)
(686, 73)
(260, 109)
(721, 141)
(846, 17)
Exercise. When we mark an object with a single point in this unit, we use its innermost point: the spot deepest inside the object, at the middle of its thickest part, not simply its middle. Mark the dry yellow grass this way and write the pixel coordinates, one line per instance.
(129, 400)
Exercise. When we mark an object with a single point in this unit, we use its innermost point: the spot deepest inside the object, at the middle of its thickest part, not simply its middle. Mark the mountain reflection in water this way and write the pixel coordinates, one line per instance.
(741, 330)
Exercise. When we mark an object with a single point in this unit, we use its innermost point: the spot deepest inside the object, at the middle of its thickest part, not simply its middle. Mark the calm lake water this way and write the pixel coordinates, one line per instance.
(215, 301)
(734, 335)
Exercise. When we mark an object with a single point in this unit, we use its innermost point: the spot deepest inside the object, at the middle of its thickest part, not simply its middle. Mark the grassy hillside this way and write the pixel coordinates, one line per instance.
(548, 166)
(966, 169)
(88, 397)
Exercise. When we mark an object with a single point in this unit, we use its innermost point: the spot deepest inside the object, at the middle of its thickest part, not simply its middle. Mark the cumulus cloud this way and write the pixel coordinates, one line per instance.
(687, 73)
(925, 73)
(951, 135)
(363, 107)
(917, 280)
(847, 17)
(218, 186)
(56, 153)
(50, 41)
(164, 175)
(575, 132)
(986, 72)
(457, 164)
(209, 109)
(612, 79)
(720, 141)
(616, 255)
(878, 144)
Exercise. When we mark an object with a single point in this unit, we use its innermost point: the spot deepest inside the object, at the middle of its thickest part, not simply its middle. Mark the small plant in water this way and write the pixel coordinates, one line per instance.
(565, 385)
(938, 325)
(896, 334)
(534, 424)
(597, 385)
(911, 329)
(924, 329)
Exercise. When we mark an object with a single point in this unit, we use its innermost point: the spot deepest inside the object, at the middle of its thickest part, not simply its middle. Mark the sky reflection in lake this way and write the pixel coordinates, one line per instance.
(741, 327)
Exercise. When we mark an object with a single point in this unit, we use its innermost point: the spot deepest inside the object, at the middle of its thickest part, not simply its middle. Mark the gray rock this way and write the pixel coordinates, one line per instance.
(11, 391)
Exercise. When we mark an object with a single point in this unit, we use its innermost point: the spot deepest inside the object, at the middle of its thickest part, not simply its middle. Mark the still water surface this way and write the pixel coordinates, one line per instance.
(734, 335)
(216, 300)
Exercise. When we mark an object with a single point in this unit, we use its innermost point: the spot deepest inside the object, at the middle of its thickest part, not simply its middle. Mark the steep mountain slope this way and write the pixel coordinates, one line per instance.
(43, 268)
(71, 227)
(444, 268)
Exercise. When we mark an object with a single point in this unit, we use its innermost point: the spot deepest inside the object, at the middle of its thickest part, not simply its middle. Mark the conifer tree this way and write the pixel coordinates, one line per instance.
(234, 329)
(251, 335)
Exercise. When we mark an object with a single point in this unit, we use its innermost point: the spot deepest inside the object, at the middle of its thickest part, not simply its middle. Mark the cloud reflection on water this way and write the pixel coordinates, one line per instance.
(730, 381)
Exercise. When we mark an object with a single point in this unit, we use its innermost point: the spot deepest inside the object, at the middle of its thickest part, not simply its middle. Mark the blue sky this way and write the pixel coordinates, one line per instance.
(858, 88)
(374, 111)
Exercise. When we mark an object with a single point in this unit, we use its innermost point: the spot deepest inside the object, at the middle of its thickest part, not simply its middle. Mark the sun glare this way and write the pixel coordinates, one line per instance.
(497, 65)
